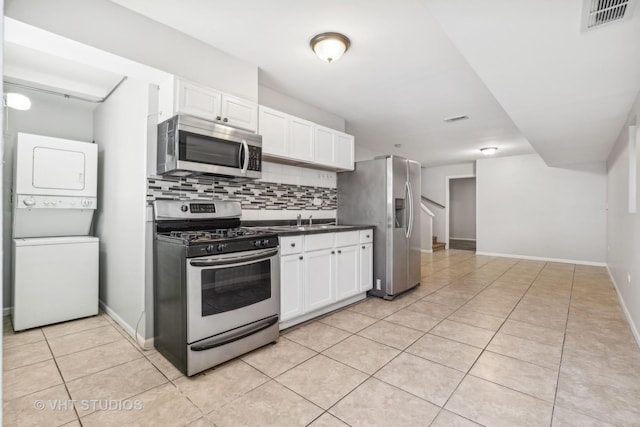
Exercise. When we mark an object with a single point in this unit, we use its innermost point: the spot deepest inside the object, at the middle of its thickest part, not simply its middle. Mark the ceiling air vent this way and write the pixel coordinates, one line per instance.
(596, 13)
(456, 119)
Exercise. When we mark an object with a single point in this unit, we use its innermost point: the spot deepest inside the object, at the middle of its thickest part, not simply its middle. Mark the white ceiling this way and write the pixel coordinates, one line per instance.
(401, 77)
(522, 71)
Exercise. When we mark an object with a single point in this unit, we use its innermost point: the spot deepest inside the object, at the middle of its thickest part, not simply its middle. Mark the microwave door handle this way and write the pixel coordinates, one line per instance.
(245, 166)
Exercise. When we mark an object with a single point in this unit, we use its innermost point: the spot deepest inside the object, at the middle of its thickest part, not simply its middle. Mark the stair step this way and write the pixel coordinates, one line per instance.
(437, 246)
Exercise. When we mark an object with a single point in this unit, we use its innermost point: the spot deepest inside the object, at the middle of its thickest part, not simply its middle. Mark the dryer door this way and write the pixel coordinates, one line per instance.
(55, 169)
(53, 166)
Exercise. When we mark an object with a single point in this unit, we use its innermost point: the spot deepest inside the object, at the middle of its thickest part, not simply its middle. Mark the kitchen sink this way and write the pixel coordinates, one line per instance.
(308, 227)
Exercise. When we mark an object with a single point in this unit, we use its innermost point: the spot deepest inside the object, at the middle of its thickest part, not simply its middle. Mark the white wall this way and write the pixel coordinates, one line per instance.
(364, 153)
(286, 104)
(50, 116)
(140, 39)
(526, 208)
(121, 134)
(434, 181)
(623, 228)
(426, 230)
(462, 208)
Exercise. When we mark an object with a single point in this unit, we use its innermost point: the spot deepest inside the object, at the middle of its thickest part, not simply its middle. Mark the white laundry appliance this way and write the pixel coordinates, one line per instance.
(55, 261)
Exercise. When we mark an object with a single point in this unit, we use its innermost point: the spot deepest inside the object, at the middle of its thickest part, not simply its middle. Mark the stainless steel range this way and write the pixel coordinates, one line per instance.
(216, 285)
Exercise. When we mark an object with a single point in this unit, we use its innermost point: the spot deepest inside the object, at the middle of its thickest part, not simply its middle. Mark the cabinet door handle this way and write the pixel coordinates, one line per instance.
(339, 252)
(293, 245)
(300, 257)
(218, 118)
(363, 247)
(225, 120)
(333, 252)
(368, 236)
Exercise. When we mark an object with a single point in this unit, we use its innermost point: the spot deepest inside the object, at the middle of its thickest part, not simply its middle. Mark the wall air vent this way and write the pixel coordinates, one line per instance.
(456, 119)
(596, 13)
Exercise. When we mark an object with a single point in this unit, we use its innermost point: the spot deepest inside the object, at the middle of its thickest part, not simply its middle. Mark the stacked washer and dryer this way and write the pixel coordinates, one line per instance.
(54, 260)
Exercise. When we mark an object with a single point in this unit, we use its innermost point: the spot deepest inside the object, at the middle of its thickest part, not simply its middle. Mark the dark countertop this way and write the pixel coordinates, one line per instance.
(305, 230)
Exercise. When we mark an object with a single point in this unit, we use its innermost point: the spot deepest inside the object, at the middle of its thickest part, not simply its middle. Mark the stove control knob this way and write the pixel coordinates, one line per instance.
(184, 208)
(265, 242)
(221, 247)
(85, 203)
(257, 243)
(209, 248)
(29, 202)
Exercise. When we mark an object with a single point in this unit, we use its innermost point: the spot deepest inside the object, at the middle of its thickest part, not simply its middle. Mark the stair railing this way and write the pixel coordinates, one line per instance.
(426, 199)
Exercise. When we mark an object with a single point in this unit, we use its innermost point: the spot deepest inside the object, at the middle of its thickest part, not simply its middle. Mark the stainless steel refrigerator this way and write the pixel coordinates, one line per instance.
(385, 192)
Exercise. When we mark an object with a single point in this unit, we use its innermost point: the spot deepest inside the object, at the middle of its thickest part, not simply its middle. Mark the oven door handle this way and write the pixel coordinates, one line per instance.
(234, 260)
(236, 335)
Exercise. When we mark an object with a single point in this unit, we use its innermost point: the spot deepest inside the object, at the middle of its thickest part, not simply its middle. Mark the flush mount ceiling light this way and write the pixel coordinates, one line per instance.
(330, 46)
(487, 151)
(17, 101)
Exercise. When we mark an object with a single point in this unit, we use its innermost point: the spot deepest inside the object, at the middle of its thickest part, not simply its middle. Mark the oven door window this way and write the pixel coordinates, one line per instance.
(230, 288)
(209, 150)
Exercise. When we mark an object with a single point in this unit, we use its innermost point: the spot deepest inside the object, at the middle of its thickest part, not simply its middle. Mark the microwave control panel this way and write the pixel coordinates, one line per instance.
(255, 158)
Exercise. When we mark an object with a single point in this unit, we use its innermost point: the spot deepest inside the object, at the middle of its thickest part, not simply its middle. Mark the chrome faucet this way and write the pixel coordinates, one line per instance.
(310, 220)
(299, 220)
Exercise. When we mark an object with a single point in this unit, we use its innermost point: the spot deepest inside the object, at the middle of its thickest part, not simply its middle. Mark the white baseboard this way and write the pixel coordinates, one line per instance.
(145, 344)
(426, 251)
(7, 311)
(460, 238)
(128, 328)
(536, 258)
(634, 329)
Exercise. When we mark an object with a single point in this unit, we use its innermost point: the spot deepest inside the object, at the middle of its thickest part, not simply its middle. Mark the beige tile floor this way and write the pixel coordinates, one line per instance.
(483, 341)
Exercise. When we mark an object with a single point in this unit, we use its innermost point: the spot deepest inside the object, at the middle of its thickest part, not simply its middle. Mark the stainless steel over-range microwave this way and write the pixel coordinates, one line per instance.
(191, 146)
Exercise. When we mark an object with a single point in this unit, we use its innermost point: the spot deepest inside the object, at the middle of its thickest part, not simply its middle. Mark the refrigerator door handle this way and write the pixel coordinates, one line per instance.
(410, 225)
(407, 190)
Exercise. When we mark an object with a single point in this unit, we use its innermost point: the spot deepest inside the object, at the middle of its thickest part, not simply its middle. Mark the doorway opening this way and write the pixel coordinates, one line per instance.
(461, 215)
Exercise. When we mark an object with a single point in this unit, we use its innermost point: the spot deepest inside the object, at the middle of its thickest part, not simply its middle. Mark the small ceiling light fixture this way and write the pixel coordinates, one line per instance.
(17, 101)
(330, 46)
(487, 151)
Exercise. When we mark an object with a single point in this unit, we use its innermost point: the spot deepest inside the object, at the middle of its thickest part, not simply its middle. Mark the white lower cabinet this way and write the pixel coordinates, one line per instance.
(347, 283)
(318, 275)
(291, 292)
(322, 272)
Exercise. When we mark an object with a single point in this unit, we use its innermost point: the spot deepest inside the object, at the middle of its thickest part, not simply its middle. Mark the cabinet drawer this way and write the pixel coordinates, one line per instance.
(346, 238)
(290, 245)
(366, 236)
(314, 242)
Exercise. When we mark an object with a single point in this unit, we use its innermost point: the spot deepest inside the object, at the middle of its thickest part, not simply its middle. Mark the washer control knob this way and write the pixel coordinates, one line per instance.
(85, 203)
(184, 208)
(46, 203)
(29, 202)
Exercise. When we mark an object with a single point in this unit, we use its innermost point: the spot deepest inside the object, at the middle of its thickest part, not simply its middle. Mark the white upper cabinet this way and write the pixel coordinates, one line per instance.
(239, 113)
(292, 139)
(184, 97)
(274, 128)
(324, 145)
(197, 101)
(301, 139)
(343, 151)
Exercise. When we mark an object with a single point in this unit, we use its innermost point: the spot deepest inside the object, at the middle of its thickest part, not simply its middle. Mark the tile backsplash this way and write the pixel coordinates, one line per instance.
(283, 192)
